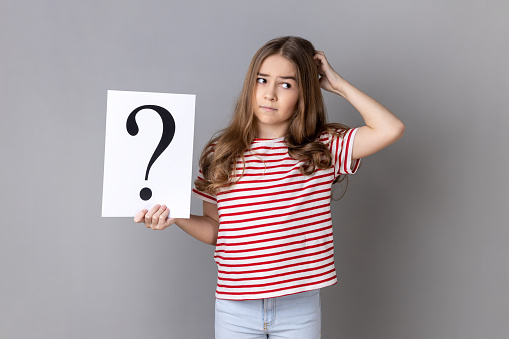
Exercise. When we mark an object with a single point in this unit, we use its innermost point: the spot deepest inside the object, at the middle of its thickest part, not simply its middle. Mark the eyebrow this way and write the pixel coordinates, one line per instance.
(291, 77)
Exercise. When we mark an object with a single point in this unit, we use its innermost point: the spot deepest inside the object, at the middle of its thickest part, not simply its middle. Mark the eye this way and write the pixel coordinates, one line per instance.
(286, 85)
(261, 80)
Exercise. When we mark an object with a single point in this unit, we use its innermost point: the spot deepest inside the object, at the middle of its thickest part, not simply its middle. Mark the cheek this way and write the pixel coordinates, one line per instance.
(255, 97)
(294, 101)
(257, 93)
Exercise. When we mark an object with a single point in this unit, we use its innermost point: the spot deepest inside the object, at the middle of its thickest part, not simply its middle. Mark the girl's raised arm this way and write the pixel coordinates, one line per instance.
(382, 126)
(203, 228)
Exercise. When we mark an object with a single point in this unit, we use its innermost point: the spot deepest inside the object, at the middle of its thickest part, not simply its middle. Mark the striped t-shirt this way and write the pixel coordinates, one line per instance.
(275, 228)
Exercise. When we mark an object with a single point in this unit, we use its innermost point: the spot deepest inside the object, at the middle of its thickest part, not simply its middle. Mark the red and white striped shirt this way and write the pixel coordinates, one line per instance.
(275, 228)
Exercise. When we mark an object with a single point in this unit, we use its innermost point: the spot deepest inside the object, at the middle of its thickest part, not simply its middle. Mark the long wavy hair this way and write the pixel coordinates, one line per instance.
(219, 158)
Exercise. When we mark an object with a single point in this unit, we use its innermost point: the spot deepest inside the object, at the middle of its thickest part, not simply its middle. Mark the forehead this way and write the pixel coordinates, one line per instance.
(277, 65)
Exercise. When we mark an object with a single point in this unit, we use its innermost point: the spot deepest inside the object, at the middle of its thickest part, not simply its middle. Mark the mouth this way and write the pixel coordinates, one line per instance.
(268, 108)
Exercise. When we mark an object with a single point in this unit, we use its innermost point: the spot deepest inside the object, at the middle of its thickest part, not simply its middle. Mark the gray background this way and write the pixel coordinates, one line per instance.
(421, 236)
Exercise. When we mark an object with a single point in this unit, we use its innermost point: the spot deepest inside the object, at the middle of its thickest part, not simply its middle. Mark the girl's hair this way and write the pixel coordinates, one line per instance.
(219, 158)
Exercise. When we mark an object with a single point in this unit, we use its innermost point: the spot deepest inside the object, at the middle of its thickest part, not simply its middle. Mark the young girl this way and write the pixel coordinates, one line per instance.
(265, 182)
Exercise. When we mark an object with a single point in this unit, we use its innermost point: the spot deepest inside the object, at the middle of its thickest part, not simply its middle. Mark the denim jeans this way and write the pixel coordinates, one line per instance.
(295, 316)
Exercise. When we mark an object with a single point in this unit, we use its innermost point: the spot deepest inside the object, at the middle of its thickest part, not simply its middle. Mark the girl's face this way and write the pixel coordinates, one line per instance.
(276, 96)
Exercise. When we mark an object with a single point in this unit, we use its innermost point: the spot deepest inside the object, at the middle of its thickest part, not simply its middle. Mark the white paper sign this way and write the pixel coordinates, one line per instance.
(148, 153)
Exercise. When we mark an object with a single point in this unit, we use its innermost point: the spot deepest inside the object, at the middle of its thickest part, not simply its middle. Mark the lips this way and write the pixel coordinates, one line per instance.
(268, 108)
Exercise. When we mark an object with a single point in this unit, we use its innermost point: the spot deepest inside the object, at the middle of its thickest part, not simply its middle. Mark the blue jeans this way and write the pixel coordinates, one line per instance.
(295, 316)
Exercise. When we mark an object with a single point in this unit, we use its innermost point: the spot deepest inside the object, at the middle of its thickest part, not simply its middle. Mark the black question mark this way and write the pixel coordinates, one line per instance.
(166, 138)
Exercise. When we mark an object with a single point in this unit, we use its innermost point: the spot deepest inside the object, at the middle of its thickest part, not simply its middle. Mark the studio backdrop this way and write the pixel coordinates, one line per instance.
(420, 236)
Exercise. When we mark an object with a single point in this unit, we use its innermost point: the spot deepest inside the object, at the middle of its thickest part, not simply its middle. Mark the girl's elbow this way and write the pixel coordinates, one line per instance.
(400, 129)
(392, 134)
(212, 240)
(397, 131)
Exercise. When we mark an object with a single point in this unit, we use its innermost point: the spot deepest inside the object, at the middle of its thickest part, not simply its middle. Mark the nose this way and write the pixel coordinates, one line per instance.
(270, 94)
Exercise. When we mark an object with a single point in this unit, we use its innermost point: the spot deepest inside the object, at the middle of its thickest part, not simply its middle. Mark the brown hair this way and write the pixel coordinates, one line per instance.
(221, 154)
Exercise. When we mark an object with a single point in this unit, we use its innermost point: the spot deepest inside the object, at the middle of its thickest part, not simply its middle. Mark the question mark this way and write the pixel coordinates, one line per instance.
(166, 138)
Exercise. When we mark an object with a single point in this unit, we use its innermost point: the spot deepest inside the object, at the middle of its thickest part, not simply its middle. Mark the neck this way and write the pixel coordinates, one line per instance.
(271, 132)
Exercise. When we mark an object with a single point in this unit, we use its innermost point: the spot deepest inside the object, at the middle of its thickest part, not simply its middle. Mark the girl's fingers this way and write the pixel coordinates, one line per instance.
(156, 218)
(164, 221)
(155, 221)
(150, 214)
(320, 57)
(321, 62)
(140, 216)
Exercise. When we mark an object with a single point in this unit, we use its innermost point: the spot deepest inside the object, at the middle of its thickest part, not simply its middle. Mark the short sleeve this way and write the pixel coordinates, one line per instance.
(341, 147)
(202, 195)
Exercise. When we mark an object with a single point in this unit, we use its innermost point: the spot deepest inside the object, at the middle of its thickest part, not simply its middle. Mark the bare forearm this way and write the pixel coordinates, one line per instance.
(202, 228)
(382, 127)
(374, 114)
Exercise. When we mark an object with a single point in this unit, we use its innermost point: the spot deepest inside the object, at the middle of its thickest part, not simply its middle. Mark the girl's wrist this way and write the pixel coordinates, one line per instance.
(341, 88)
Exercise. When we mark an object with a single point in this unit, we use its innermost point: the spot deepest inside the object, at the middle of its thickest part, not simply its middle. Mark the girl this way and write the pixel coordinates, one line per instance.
(265, 182)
